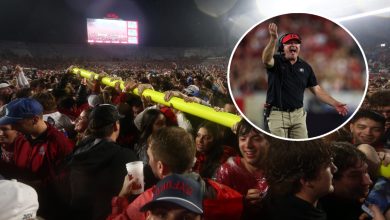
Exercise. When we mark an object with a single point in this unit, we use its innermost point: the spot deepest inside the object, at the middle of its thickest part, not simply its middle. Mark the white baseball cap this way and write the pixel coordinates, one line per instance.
(94, 100)
(192, 90)
(17, 201)
(4, 85)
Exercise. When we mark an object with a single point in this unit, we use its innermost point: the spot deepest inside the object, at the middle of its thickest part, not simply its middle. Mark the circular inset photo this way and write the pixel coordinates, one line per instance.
(298, 76)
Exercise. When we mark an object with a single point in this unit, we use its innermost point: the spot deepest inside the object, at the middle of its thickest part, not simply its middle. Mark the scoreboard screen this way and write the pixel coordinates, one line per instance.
(111, 31)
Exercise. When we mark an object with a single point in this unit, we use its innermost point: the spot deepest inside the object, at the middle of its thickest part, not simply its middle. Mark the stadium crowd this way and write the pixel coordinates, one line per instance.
(69, 138)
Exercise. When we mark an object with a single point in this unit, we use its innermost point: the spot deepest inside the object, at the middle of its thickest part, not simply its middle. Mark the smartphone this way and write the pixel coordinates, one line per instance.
(379, 195)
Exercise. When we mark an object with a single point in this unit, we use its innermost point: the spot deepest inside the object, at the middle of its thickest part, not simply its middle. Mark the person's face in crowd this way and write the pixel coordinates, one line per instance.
(197, 83)
(354, 182)
(204, 140)
(323, 185)
(366, 131)
(159, 123)
(291, 49)
(153, 163)
(385, 110)
(136, 110)
(7, 134)
(18, 69)
(5, 91)
(170, 211)
(26, 125)
(116, 131)
(253, 147)
(81, 122)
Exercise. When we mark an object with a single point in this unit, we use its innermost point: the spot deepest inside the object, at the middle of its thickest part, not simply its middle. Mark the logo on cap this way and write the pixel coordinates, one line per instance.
(179, 190)
(289, 37)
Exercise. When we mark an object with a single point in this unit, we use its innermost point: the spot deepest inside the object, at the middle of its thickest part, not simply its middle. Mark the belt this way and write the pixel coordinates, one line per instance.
(284, 109)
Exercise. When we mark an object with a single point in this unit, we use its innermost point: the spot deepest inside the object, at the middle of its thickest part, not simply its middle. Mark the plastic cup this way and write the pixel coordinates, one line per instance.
(136, 170)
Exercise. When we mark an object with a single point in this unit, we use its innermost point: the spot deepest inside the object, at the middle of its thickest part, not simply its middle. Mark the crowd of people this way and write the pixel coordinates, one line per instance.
(378, 59)
(69, 139)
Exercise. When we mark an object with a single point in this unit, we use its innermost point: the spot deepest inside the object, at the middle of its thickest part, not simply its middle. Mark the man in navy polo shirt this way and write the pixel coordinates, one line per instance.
(288, 77)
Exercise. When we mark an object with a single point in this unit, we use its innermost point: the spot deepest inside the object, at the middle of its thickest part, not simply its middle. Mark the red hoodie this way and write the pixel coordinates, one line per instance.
(225, 203)
(42, 155)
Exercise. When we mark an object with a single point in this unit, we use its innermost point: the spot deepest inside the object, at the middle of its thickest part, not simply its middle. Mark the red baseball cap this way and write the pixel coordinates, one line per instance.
(291, 36)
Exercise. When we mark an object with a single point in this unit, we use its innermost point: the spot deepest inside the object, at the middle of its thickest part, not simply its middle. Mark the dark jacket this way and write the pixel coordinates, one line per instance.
(97, 169)
(291, 208)
(341, 208)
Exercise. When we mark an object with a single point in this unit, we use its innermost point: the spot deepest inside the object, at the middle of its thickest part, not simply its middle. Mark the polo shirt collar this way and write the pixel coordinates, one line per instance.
(285, 60)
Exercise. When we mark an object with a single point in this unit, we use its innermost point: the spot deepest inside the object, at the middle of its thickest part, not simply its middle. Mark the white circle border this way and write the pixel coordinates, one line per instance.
(291, 139)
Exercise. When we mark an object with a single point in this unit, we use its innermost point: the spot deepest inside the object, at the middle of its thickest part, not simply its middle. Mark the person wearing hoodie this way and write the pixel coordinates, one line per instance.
(172, 150)
(97, 166)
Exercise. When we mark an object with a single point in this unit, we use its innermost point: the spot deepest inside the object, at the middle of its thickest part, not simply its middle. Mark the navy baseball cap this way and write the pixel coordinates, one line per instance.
(20, 109)
(179, 190)
(291, 36)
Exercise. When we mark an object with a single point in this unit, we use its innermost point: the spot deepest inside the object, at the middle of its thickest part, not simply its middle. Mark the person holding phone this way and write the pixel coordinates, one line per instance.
(378, 196)
(376, 214)
(246, 174)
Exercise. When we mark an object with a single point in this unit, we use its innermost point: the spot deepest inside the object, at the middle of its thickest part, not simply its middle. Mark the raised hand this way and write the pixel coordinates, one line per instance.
(273, 30)
(170, 94)
(130, 85)
(143, 87)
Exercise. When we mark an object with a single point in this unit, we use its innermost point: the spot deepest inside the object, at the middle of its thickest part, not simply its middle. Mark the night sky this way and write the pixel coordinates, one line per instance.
(161, 22)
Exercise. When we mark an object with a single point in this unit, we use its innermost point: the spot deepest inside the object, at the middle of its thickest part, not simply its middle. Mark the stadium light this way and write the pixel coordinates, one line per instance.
(364, 14)
(354, 9)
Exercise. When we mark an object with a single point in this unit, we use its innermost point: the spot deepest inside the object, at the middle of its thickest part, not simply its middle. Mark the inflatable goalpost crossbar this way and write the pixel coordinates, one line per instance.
(205, 112)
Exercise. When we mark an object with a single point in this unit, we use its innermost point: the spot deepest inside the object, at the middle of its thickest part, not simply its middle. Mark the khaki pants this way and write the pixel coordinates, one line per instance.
(288, 124)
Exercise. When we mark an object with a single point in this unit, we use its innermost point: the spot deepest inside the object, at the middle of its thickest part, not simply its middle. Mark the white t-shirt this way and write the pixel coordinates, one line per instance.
(59, 120)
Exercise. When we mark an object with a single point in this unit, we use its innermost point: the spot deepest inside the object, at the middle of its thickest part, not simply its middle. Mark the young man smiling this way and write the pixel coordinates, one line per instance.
(368, 127)
(246, 174)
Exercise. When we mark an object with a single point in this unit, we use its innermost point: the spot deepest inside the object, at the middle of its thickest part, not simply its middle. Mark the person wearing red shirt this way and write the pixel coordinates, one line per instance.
(7, 138)
(245, 174)
(210, 153)
(38, 152)
(42, 147)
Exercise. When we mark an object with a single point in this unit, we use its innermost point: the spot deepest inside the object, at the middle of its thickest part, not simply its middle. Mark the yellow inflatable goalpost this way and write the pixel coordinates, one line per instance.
(205, 112)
